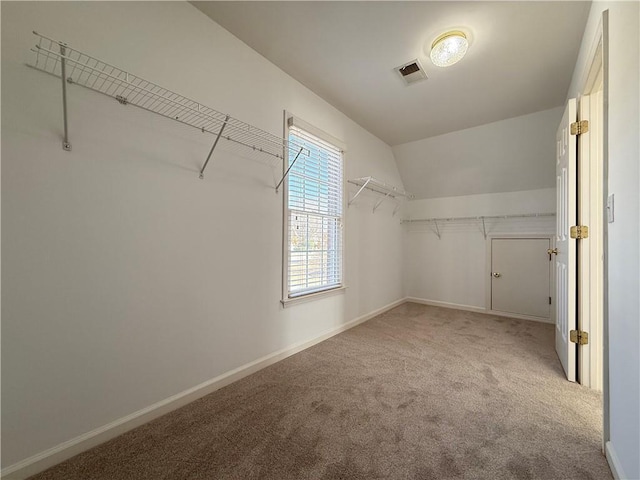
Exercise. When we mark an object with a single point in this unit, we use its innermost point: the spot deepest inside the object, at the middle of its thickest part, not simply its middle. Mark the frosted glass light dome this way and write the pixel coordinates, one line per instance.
(449, 48)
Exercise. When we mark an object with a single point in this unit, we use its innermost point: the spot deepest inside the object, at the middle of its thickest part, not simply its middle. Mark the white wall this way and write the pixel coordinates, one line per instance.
(452, 269)
(501, 168)
(126, 278)
(507, 156)
(624, 233)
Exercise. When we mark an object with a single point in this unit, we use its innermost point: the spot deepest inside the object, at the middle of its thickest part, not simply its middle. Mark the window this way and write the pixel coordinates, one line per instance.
(313, 213)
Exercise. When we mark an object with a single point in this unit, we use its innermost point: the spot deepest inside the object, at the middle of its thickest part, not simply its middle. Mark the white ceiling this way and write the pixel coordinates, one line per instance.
(520, 60)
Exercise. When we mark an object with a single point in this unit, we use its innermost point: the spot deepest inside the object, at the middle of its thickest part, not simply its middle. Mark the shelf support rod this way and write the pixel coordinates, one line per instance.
(435, 221)
(287, 172)
(359, 191)
(63, 74)
(213, 147)
(380, 201)
(484, 228)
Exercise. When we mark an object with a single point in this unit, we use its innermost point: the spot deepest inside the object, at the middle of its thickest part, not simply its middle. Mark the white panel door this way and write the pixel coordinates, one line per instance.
(520, 276)
(565, 266)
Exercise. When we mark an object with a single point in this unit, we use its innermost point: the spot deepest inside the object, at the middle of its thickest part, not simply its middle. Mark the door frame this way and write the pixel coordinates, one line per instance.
(598, 60)
(488, 263)
(591, 212)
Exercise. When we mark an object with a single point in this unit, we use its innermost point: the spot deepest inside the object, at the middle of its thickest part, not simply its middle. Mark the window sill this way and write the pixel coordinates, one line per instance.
(289, 302)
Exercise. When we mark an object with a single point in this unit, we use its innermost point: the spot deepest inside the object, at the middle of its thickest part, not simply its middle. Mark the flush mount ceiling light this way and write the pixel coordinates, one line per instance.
(449, 48)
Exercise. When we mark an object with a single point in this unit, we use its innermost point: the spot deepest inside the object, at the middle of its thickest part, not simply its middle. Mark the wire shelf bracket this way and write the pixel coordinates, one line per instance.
(213, 147)
(77, 68)
(63, 68)
(381, 188)
(290, 167)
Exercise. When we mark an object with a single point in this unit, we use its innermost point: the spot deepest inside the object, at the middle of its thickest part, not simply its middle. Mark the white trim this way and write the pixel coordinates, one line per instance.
(595, 60)
(519, 316)
(313, 130)
(437, 303)
(471, 308)
(591, 212)
(289, 302)
(63, 451)
(598, 60)
(614, 462)
(606, 412)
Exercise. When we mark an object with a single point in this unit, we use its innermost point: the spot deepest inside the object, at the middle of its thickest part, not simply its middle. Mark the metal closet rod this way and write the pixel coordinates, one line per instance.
(75, 67)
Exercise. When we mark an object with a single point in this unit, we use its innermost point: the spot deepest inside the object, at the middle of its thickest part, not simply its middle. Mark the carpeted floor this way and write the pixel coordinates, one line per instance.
(416, 393)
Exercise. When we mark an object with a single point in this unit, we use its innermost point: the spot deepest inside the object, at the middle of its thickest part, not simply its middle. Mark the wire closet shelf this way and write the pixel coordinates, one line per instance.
(437, 222)
(381, 188)
(78, 68)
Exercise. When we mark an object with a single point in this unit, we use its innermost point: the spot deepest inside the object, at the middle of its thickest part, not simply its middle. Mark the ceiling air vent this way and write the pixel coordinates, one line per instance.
(411, 72)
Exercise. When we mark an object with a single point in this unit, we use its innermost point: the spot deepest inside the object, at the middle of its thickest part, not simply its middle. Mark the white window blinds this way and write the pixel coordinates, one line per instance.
(314, 211)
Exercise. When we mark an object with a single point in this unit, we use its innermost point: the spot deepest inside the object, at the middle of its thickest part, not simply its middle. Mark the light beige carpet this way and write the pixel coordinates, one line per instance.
(417, 393)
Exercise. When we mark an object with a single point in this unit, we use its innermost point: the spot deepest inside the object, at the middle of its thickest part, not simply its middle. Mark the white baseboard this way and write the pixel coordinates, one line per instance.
(437, 303)
(59, 453)
(471, 308)
(614, 462)
(521, 317)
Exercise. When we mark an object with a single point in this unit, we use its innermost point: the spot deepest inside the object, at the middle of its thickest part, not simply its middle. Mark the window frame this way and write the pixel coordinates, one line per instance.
(286, 300)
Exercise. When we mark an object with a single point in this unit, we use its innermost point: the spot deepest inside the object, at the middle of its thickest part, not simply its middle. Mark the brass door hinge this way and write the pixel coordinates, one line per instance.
(579, 337)
(578, 128)
(579, 232)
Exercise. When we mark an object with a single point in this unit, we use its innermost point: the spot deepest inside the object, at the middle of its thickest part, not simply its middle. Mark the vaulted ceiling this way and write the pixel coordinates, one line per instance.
(520, 60)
